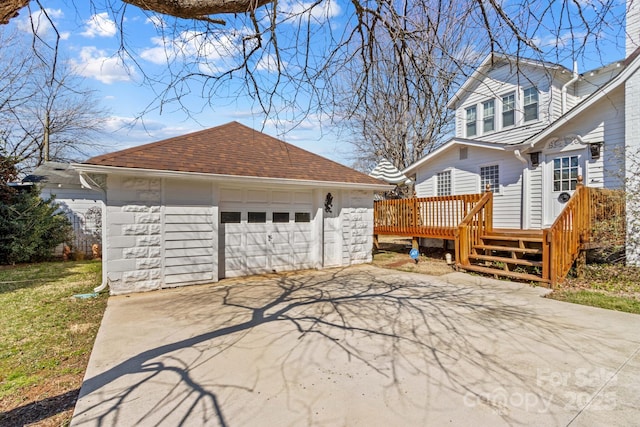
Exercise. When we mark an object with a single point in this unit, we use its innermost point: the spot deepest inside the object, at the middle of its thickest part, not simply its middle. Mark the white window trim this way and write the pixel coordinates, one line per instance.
(515, 93)
(466, 121)
(537, 119)
(435, 181)
(499, 190)
(495, 124)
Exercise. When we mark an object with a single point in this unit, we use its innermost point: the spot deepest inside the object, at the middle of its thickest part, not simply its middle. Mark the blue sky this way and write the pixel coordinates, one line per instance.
(90, 39)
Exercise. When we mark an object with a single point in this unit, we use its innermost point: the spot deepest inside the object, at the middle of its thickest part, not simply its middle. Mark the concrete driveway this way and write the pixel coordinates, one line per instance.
(360, 346)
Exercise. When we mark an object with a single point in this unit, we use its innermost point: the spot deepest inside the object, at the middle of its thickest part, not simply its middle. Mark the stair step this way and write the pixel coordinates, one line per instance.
(509, 249)
(533, 239)
(513, 274)
(506, 260)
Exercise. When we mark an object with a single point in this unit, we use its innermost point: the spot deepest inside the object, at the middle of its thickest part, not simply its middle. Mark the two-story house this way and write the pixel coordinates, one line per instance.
(508, 135)
(530, 129)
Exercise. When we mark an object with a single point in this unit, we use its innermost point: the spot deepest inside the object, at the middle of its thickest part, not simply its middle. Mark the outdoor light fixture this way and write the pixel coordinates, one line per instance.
(535, 158)
(594, 148)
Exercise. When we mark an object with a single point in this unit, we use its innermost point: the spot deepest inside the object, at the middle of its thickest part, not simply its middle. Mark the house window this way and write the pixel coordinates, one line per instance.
(488, 116)
(303, 217)
(565, 173)
(471, 121)
(443, 183)
(490, 175)
(530, 104)
(257, 217)
(280, 217)
(508, 109)
(230, 217)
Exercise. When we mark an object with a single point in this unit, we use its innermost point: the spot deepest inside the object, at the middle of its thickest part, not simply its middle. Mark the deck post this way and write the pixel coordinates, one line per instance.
(415, 243)
(376, 244)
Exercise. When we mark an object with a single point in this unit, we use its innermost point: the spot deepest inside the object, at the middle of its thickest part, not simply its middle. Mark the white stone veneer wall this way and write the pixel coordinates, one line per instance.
(357, 227)
(134, 258)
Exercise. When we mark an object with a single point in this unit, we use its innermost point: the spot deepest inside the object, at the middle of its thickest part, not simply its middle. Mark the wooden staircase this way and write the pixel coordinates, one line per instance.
(518, 254)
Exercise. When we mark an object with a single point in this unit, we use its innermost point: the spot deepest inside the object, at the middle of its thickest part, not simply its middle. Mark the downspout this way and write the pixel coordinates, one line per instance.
(574, 79)
(87, 182)
(524, 205)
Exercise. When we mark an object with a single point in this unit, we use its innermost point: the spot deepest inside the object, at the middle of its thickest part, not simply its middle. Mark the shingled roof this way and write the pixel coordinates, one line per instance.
(233, 149)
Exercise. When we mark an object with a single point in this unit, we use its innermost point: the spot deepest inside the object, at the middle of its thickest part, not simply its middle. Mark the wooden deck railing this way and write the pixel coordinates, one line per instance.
(434, 217)
(567, 235)
(478, 222)
(465, 218)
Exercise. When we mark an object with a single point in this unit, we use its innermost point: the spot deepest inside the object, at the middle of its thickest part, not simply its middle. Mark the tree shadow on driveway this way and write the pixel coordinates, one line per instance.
(345, 346)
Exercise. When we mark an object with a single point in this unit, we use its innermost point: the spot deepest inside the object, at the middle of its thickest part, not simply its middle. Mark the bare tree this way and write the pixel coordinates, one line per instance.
(46, 114)
(395, 104)
(289, 54)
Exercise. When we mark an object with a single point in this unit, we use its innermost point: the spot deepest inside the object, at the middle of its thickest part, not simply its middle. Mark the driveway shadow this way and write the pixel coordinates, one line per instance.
(346, 346)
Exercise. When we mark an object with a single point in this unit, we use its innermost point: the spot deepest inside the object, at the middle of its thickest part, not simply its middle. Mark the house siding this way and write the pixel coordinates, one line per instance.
(503, 80)
(466, 180)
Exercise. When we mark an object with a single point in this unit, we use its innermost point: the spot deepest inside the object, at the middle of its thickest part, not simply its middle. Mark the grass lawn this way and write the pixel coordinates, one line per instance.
(611, 286)
(46, 337)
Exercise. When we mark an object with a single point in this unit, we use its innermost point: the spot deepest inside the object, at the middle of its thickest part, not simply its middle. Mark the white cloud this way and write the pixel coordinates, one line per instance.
(270, 63)
(560, 41)
(40, 22)
(320, 12)
(99, 25)
(94, 63)
(130, 131)
(207, 49)
(156, 20)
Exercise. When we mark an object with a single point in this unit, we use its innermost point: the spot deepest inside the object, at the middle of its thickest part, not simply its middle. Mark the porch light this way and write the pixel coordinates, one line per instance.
(594, 148)
(535, 158)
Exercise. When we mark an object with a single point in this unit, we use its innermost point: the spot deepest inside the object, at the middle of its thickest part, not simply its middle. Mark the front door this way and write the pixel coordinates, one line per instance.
(563, 171)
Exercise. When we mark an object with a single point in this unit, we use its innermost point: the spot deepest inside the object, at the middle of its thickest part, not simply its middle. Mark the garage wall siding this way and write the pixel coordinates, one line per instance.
(134, 231)
(189, 233)
(357, 227)
(167, 232)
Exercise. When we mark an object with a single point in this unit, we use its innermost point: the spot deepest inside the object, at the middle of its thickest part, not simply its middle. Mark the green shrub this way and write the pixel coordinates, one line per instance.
(30, 228)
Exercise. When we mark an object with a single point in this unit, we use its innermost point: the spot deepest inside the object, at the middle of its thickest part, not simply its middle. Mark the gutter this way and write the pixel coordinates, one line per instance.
(524, 211)
(87, 182)
(83, 168)
(574, 79)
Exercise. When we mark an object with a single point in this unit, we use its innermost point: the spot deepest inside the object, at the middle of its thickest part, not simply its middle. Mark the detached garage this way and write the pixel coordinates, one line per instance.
(226, 202)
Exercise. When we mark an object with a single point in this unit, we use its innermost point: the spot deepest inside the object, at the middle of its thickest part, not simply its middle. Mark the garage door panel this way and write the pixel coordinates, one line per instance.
(233, 239)
(258, 247)
(302, 237)
(257, 262)
(256, 238)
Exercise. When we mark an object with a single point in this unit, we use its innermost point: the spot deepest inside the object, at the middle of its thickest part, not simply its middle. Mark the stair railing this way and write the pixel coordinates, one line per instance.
(477, 223)
(568, 233)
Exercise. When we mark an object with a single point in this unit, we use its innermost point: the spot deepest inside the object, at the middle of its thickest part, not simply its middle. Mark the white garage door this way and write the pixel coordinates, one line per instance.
(265, 232)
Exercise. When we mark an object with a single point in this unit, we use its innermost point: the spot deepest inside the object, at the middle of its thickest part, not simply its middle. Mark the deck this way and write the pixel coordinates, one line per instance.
(591, 216)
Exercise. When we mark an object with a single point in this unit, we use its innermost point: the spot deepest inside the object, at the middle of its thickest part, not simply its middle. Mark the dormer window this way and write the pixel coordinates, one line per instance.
(471, 121)
(488, 116)
(530, 104)
(508, 109)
